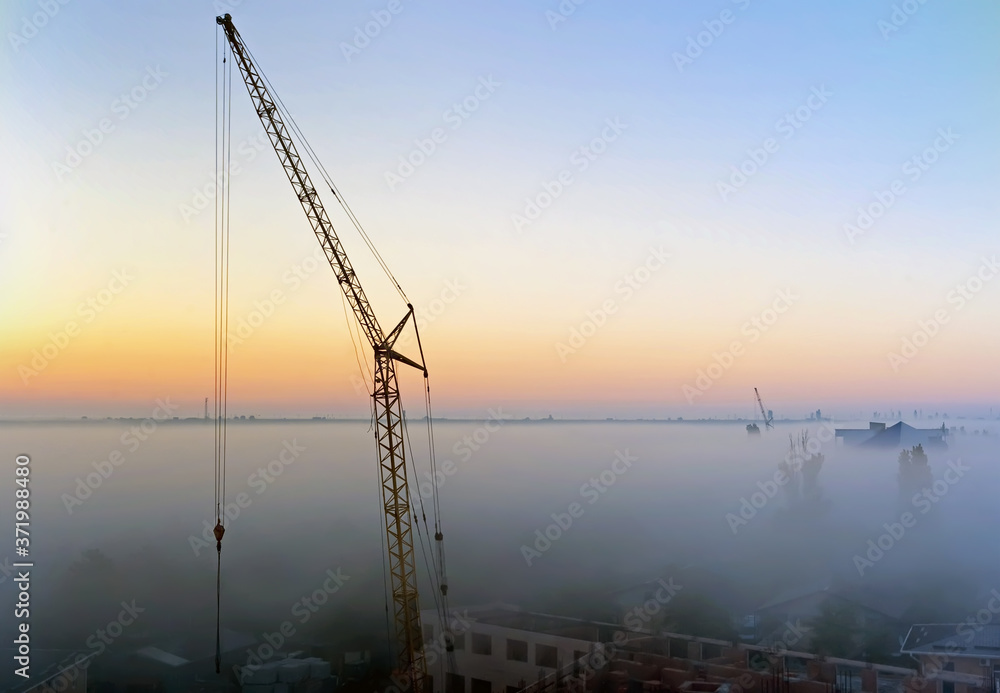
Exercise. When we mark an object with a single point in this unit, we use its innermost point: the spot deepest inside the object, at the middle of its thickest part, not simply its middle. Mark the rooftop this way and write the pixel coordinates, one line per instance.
(890, 602)
(509, 616)
(898, 435)
(956, 639)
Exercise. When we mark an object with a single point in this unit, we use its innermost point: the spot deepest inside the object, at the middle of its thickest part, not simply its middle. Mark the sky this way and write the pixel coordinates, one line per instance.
(599, 209)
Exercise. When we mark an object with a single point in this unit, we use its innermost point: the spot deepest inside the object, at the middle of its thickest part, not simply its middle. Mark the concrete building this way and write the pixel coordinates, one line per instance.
(956, 657)
(502, 649)
(899, 435)
(646, 664)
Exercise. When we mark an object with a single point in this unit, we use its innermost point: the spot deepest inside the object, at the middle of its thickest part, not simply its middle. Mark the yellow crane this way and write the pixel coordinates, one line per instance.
(388, 416)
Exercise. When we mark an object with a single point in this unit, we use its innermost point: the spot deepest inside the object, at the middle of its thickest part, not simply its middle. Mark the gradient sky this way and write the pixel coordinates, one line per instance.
(519, 294)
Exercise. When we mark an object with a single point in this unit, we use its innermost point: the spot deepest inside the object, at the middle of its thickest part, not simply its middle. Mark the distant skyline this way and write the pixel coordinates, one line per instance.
(639, 210)
(719, 414)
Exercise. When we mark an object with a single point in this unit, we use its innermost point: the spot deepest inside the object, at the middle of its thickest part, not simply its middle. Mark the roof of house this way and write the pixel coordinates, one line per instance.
(194, 647)
(507, 616)
(891, 603)
(503, 615)
(162, 656)
(900, 434)
(887, 601)
(796, 594)
(956, 639)
(714, 582)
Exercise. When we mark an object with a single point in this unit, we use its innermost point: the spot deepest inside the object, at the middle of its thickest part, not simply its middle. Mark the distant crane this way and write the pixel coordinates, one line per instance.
(767, 419)
(400, 518)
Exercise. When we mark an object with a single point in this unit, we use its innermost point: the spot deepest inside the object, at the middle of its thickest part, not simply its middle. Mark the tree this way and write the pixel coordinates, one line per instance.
(878, 645)
(71, 618)
(914, 472)
(810, 476)
(801, 468)
(691, 613)
(835, 629)
(92, 564)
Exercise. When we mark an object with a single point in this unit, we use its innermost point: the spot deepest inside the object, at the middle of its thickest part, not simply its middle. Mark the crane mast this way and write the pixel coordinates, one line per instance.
(410, 660)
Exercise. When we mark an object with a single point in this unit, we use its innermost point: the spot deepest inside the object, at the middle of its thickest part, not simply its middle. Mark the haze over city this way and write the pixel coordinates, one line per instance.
(700, 299)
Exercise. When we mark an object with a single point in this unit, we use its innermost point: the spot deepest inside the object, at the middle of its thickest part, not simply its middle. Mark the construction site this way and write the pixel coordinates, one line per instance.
(492, 649)
(772, 595)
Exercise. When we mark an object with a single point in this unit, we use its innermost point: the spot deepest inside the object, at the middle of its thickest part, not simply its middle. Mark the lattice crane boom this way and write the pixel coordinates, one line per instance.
(388, 414)
(767, 419)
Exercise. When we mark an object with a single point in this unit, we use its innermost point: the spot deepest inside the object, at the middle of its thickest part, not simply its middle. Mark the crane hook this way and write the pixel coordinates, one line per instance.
(219, 531)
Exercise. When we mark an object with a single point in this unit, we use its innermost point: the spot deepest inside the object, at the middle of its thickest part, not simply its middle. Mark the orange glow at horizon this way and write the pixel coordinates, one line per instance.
(284, 367)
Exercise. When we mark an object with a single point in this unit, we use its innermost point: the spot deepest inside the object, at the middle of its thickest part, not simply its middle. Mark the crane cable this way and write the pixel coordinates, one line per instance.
(437, 571)
(352, 327)
(424, 535)
(432, 456)
(310, 152)
(442, 570)
(423, 538)
(223, 158)
(297, 133)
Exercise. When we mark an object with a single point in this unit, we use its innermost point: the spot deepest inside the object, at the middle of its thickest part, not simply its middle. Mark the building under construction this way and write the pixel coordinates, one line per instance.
(501, 649)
